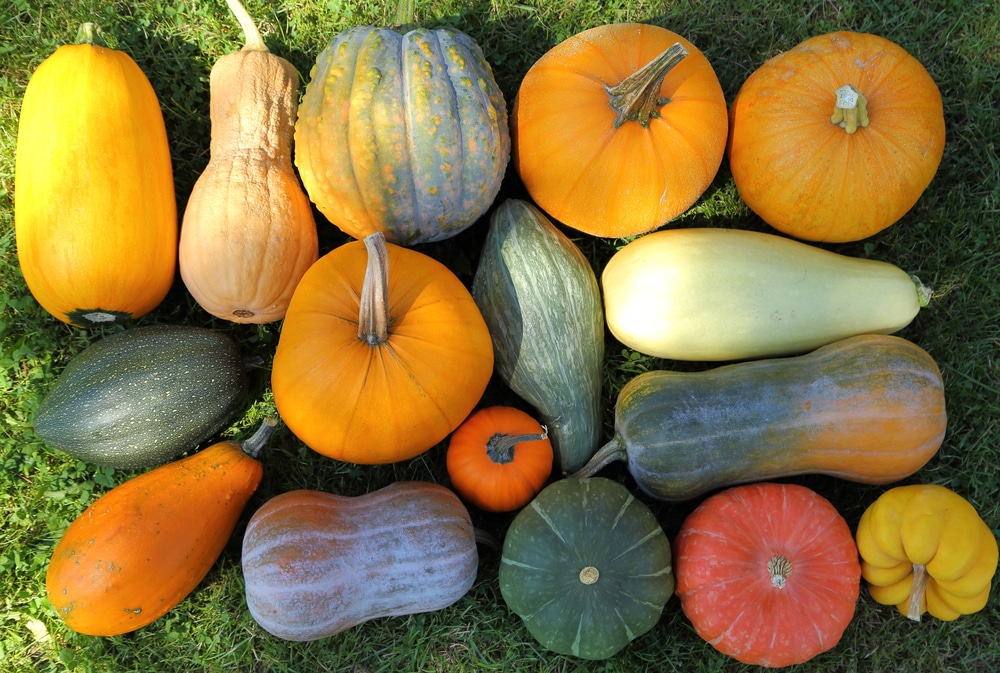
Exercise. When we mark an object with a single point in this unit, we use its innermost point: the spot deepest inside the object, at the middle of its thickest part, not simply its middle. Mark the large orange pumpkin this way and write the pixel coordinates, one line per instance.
(767, 573)
(382, 353)
(813, 166)
(616, 130)
(94, 206)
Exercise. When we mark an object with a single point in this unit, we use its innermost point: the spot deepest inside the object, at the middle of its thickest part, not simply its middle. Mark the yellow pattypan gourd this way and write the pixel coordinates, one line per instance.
(924, 548)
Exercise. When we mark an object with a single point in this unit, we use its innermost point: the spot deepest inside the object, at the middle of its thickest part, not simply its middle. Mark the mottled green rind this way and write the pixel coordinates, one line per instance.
(405, 134)
(542, 304)
(573, 524)
(138, 398)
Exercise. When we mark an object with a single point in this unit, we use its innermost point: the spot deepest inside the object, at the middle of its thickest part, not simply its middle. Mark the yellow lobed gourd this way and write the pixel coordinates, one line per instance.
(924, 548)
(248, 233)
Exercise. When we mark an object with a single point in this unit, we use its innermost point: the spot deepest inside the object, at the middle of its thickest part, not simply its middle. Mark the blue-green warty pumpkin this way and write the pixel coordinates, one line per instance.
(402, 133)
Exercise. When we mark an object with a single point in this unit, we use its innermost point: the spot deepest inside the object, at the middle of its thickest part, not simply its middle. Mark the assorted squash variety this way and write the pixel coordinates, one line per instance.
(384, 353)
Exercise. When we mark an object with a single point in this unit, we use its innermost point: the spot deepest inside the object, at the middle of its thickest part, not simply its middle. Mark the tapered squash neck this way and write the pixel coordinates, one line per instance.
(850, 112)
(637, 97)
(373, 317)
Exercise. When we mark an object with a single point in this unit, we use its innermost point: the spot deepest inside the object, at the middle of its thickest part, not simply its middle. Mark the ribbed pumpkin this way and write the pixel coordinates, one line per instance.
(315, 563)
(382, 354)
(587, 567)
(142, 547)
(619, 129)
(836, 139)
(405, 134)
(499, 458)
(767, 573)
(94, 208)
(248, 233)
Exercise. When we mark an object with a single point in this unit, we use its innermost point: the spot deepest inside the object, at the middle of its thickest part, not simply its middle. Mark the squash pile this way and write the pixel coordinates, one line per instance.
(385, 353)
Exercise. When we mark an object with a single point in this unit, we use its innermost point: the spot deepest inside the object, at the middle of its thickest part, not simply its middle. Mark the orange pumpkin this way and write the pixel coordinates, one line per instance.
(827, 166)
(383, 353)
(142, 547)
(499, 458)
(619, 129)
(767, 573)
(94, 207)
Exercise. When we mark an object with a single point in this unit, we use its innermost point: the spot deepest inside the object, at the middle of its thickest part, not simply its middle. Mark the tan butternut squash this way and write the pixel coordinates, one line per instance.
(248, 232)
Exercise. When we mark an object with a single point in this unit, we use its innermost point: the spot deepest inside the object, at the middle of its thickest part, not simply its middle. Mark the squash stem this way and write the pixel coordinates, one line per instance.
(850, 112)
(487, 539)
(87, 34)
(917, 589)
(373, 318)
(924, 293)
(500, 447)
(779, 568)
(254, 42)
(607, 454)
(637, 97)
(406, 11)
(255, 444)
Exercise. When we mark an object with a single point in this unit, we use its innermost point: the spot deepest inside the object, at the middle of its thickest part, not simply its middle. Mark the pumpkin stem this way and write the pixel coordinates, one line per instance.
(255, 444)
(917, 589)
(406, 10)
(487, 539)
(607, 454)
(637, 97)
(254, 42)
(924, 293)
(500, 447)
(589, 575)
(87, 34)
(850, 112)
(779, 568)
(373, 319)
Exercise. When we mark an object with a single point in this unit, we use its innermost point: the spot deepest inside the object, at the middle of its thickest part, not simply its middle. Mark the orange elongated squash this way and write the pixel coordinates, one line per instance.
(94, 209)
(142, 547)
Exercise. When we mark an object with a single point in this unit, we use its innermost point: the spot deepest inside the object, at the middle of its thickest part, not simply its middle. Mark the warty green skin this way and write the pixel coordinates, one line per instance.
(541, 302)
(575, 524)
(141, 397)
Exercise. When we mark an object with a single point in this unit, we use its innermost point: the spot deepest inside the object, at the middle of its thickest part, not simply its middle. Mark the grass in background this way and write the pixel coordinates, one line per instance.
(951, 239)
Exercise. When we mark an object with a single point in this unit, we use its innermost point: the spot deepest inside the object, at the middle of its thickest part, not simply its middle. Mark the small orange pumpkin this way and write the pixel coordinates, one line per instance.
(823, 166)
(373, 367)
(619, 129)
(499, 458)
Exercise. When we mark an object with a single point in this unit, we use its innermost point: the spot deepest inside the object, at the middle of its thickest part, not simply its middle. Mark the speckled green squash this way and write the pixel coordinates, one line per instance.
(587, 567)
(404, 134)
(140, 397)
(542, 304)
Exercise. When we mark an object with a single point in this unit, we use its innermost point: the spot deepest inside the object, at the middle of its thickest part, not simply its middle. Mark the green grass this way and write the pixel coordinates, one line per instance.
(951, 239)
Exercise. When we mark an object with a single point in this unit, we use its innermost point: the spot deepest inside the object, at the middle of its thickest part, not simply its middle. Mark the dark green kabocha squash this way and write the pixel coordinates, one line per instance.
(140, 397)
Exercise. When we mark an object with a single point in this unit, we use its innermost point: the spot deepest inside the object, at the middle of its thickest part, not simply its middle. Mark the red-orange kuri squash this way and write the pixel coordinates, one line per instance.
(767, 573)
(619, 129)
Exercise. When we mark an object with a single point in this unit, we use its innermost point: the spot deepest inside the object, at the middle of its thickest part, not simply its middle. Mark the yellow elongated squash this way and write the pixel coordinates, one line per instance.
(94, 209)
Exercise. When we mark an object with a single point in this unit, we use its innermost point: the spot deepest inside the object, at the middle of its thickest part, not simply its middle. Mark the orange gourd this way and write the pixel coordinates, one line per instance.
(382, 354)
(827, 166)
(248, 233)
(619, 129)
(94, 208)
(767, 573)
(499, 458)
(142, 547)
